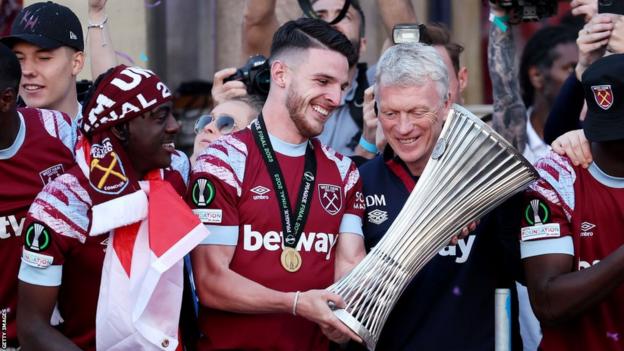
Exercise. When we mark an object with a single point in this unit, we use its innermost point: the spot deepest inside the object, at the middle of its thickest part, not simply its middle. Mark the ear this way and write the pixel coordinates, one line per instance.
(462, 78)
(8, 99)
(77, 60)
(279, 73)
(120, 131)
(363, 44)
(447, 106)
(536, 78)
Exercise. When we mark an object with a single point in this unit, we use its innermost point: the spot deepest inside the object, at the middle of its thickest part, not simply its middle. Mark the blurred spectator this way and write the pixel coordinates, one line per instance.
(228, 117)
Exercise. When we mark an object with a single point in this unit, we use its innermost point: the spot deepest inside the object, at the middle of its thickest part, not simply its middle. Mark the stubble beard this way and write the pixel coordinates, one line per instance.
(295, 104)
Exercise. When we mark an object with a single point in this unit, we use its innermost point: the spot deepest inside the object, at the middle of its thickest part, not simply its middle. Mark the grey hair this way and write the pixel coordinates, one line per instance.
(412, 64)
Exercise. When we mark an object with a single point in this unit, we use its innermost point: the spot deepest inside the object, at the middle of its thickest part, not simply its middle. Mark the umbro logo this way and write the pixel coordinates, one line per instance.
(377, 216)
(260, 192)
(586, 229)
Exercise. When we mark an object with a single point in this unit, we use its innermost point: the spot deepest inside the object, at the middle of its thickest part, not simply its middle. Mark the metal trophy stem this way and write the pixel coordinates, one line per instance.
(471, 171)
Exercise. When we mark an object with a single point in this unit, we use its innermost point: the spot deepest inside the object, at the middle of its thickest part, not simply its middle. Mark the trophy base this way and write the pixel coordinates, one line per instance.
(346, 318)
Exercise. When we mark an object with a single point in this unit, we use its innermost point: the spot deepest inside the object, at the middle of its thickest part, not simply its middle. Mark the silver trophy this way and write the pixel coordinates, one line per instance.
(471, 171)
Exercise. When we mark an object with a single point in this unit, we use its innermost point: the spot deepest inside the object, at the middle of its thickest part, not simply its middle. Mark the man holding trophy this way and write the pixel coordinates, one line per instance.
(456, 288)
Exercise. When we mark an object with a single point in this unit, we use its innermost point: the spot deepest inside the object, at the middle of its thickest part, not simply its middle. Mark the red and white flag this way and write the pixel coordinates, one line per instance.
(142, 279)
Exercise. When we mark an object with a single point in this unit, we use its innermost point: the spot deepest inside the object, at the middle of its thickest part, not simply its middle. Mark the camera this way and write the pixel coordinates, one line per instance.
(528, 10)
(611, 6)
(408, 33)
(255, 74)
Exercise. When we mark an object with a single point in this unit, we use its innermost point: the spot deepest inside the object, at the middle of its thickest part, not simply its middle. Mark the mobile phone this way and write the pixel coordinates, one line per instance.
(611, 6)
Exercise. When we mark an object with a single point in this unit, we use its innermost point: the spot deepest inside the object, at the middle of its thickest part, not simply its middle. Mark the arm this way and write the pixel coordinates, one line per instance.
(509, 117)
(259, 24)
(564, 114)
(34, 309)
(558, 293)
(100, 44)
(394, 12)
(349, 252)
(220, 287)
(369, 128)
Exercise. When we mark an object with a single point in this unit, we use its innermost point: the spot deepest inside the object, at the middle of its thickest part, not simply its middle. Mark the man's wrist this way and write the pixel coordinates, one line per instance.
(500, 21)
(367, 146)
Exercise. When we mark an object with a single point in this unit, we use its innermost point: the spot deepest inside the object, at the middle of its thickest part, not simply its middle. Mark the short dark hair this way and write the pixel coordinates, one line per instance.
(540, 52)
(306, 33)
(439, 34)
(10, 69)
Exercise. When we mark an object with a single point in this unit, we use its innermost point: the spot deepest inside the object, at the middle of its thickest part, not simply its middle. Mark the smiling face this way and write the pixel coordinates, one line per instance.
(151, 139)
(48, 76)
(314, 89)
(412, 119)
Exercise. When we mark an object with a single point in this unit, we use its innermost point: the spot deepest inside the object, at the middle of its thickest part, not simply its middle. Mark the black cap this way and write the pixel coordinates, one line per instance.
(47, 25)
(603, 84)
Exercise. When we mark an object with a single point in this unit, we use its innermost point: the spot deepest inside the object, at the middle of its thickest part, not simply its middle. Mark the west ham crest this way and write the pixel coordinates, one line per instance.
(330, 197)
(107, 172)
(603, 96)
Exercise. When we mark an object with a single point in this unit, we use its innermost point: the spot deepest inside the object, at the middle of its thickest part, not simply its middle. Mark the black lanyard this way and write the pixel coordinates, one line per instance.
(292, 232)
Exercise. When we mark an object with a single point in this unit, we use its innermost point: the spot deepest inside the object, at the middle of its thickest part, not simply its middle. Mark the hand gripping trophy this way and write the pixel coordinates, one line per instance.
(471, 171)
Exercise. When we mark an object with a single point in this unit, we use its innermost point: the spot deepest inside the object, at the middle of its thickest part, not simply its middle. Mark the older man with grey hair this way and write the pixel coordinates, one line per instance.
(455, 290)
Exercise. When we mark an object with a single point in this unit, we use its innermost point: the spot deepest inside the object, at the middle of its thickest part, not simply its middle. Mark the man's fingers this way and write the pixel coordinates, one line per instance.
(585, 150)
(222, 74)
(368, 94)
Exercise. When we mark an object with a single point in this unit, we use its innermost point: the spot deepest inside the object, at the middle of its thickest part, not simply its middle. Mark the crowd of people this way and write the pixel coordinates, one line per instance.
(115, 240)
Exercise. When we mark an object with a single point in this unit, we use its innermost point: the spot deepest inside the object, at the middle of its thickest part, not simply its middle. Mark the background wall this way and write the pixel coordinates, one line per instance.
(186, 40)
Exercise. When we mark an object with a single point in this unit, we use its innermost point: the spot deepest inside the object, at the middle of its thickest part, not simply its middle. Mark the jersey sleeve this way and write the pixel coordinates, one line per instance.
(352, 219)
(178, 173)
(56, 222)
(60, 126)
(547, 211)
(215, 189)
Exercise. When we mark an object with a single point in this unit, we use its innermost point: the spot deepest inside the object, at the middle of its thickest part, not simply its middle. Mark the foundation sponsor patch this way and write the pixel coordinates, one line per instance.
(212, 216)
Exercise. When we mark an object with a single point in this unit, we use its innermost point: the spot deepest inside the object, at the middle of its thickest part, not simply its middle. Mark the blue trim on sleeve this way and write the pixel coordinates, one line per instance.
(221, 235)
(351, 224)
(49, 276)
(563, 245)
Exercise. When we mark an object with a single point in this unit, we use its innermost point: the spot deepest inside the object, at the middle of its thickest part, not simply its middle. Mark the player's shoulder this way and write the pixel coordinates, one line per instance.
(345, 166)
(557, 171)
(56, 124)
(180, 165)
(63, 205)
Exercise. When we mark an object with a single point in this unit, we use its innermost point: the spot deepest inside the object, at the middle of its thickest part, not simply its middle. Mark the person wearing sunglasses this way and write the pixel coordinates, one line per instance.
(226, 118)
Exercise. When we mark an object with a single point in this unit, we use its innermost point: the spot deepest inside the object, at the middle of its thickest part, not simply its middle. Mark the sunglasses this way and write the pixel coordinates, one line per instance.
(225, 124)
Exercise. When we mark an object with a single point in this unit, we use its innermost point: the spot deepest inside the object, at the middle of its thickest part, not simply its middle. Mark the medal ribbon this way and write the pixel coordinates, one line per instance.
(292, 231)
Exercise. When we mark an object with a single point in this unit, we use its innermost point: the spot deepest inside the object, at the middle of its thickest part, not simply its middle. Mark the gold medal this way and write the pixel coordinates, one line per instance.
(291, 259)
